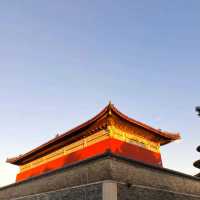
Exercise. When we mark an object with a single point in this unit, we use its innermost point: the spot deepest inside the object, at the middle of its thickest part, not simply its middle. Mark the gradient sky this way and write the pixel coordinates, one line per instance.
(62, 61)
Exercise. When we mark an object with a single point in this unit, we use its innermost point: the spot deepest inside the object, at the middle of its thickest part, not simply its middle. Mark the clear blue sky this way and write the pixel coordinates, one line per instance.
(62, 61)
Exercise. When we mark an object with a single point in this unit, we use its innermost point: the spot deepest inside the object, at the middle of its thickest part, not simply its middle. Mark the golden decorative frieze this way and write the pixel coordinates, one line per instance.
(133, 139)
(112, 132)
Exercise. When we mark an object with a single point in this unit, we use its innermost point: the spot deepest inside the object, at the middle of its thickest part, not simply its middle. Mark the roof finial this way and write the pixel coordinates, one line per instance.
(109, 108)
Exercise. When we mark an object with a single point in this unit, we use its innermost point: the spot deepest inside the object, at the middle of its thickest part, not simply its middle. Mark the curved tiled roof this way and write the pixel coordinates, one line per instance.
(109, 108)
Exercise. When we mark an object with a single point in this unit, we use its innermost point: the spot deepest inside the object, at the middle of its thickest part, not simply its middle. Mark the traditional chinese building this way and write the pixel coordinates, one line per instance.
(197, 163)
(109, 157)
(110, 130)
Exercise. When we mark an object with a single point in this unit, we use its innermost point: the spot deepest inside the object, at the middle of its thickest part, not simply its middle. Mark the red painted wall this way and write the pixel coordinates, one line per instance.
(115, 146)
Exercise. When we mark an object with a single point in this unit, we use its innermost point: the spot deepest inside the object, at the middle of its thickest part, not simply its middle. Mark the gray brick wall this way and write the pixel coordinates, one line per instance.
(84, 173)
(137, 174)
(107, 167)
(88, 192)
(147, 193)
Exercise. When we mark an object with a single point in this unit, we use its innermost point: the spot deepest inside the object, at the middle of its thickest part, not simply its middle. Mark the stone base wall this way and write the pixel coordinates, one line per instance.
(85, 192)
(74, 175)
(126, 192)
(128, 180)
(110, 190)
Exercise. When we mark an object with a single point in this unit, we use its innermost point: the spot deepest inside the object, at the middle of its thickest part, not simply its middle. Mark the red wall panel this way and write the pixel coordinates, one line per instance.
(115, 146)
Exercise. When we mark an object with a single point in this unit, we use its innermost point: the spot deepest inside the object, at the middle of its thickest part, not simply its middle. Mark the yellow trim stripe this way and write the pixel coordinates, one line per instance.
(97, 137)
(133, 139)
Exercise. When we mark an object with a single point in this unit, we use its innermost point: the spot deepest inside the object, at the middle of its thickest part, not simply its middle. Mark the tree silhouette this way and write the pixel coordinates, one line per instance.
(198, 110)
(197, 163)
